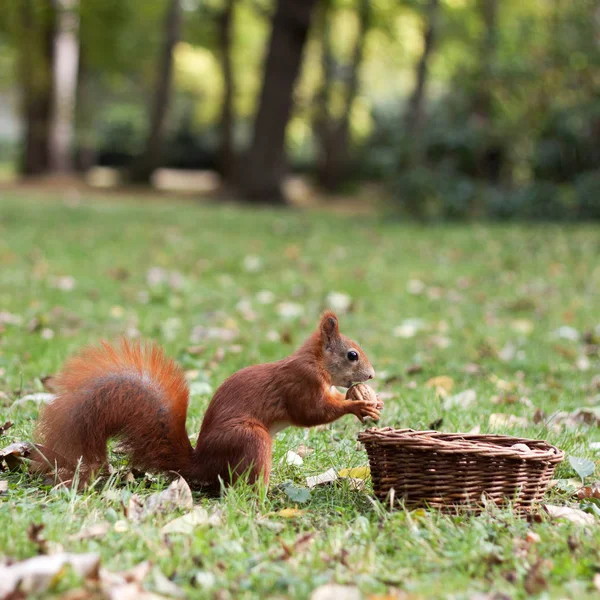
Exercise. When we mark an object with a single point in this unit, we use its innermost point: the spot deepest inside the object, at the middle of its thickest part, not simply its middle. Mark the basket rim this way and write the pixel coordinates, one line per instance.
(486, 445)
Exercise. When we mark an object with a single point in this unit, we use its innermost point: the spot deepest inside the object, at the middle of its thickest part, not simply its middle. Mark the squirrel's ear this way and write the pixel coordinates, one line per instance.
(329, 327)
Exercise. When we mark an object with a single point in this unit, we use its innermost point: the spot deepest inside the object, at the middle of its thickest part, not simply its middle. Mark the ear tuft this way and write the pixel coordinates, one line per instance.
(329, 326)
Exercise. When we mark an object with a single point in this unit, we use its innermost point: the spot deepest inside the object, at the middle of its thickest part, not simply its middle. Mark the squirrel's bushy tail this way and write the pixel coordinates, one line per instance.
(132, 392)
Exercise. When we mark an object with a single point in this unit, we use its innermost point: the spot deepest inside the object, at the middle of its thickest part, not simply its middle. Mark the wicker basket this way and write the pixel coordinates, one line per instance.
(458, 470)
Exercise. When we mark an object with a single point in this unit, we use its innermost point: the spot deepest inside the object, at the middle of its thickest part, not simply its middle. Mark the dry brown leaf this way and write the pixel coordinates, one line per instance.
(303, 451)
(177, 496)
(187, 523)
(34, 533)
(570, 514)
(499, 420)
(13, 454)
(4, 428)
(164, 585)
(535, 581)
(99, 529)
(442, 384)
(589, 491)
(35, 575)
(328, 476)
(290, 513)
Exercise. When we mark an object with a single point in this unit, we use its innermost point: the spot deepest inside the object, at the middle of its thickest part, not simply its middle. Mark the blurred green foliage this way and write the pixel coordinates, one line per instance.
(512, 110)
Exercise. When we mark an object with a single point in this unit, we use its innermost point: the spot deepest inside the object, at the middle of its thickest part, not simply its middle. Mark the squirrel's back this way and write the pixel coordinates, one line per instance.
(133, 392)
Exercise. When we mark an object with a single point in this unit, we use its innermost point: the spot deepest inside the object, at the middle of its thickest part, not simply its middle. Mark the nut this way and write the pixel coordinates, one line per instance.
(361, 391)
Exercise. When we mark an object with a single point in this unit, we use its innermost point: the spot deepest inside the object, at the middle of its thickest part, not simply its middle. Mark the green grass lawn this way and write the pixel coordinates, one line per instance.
(489, 301)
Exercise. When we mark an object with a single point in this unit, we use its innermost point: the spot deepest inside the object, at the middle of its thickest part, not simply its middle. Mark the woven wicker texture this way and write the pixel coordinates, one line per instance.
(458, 470)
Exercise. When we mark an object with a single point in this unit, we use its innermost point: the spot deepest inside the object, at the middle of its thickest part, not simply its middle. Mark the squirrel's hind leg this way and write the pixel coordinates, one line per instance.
(240, 449)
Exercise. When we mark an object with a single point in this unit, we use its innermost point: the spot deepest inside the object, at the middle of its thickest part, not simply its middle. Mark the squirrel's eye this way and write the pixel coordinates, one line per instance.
(352, 355)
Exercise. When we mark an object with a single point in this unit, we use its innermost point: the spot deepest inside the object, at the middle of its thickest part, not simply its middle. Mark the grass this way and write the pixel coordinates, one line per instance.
(490, 295)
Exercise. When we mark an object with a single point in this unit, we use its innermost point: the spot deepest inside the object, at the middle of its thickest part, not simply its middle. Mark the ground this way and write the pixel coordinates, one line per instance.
(510, 312)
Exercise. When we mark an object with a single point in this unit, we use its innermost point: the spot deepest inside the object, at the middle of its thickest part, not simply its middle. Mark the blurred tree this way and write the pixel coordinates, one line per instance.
(226, 151)
(415, 113)
(151, 155)
(65, 70)
(265, 162)
(34, 36)
(332, 128)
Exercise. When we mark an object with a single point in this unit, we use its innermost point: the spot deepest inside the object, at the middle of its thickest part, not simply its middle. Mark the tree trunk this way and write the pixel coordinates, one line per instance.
(265, 161)
(334, 134)
(491, 156)
(483, 99)
(415, 113)
(85, 156)
(37, 27)
(66, 54)
(226, 151)
(152, 153)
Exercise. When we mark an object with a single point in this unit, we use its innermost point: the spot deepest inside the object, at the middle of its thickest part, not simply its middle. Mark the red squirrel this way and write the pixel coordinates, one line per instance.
(137, 394)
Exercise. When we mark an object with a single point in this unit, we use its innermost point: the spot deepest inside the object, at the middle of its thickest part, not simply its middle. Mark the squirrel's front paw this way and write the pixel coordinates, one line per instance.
(365, 409)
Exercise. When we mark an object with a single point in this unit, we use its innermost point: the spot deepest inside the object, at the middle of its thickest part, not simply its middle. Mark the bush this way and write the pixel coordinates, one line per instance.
(587, 192)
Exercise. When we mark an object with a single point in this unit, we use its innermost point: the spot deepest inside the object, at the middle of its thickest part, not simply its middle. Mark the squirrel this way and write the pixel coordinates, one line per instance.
(133, 392)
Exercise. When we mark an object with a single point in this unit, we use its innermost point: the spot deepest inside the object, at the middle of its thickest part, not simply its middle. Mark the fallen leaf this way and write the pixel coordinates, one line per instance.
(535, 581)
(66, 283)
(589, 491)
(201, 333)
(164, 585)
(99, 529)
(252, 263)
(415, 287)
(442, 384)
(177, 496)
(461, 400)
(290, 310)
(333, 591)
(414, 369)
(524, 326)
(303, 450)
(508, 352)
(499, 420)
(356, 472)
(409, 328)
(290, 513)
(326, 477)
(3, 486)
(38, 398)
(13, 454)
(570, 514)
(295, 493)
(339, 302)
(4, 428)
(35, 575)
(265, 297)
(205, 579)
(567, 333)
(582, 466)
(187, 523)
(291, 458)
(34, 533)
(570, 486)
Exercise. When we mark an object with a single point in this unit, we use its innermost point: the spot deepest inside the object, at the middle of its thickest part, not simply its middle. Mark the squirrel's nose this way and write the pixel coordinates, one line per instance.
(371, 374)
